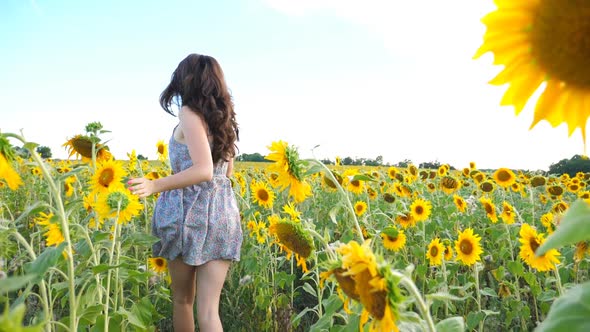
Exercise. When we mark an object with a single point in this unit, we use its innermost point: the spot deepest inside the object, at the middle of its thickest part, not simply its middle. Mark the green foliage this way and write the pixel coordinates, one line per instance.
(569, 312)
(254, 157)
(44, 151)
(12, 321)
(570, 166)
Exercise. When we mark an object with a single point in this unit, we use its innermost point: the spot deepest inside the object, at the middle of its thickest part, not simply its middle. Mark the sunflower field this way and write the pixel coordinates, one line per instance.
(335, 248)
(326, 247)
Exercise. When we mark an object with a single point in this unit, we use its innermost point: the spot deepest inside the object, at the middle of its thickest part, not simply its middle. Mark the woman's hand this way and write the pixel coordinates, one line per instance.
(141, 187)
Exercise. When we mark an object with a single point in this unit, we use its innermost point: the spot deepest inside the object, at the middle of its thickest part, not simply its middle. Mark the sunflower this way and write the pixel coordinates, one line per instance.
(442, 170)
(290, 170)
(530, 242)
(560, 207)
(449, 184)
(405, 219)
(69, 186)
(466, 172)
(468, 247)
(555, 190)
(393, 238)
(8, 174)
(372, 193)
(543, 41)
(477, 176)
(162, 150)
(81, 146)
(360, 208)
(547, 221)
(262, 195)
(292, 211)
(392, 172)
(293, 237)
(504, 177)
(375, 292)
(158, 264)
(388, 197)
(108, 174)
(584, 194)
(353, 184)
(581, 250)
(401, 189)
(118, 203)
(489, 208)
(420, 209)
(487, 186)
(53, 234)
(508, 213)
(460, 203)
(573, 187)
(435, 252)
(448, 253)
(472, 165)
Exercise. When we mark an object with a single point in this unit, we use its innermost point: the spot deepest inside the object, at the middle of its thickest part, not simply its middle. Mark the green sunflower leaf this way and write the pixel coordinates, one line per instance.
(573, 228)
(569, 312)
(451, 324)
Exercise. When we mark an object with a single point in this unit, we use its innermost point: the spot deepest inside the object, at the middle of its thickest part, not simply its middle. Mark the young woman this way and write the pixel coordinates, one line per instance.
(196, 215)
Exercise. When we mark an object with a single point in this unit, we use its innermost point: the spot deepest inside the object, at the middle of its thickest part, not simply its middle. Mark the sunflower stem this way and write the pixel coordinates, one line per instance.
(478, 294)
(516, 287)
(415, 292)
(558, 280)
(66, 233)
(42, 286)
(344, 194)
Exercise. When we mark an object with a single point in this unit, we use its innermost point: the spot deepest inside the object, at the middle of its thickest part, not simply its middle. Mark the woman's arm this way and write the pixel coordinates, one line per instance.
(230, 168)
(194, 129)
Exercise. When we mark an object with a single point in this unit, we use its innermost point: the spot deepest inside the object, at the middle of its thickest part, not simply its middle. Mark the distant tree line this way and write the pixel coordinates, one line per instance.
(575, 164)
(571, 166)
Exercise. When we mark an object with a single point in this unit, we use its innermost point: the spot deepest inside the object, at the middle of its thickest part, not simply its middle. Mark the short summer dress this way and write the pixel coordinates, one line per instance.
(201, 222)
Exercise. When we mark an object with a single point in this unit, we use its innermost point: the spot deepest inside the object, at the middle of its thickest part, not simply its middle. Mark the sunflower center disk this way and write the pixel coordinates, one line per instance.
(534, 244)
(433, 251)
(561, 40)
(263, 195)
(106, 177)
(466, 247)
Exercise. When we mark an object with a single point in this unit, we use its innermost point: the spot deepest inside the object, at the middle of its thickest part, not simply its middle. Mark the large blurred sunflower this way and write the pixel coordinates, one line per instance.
(7, 173)
(541, 41)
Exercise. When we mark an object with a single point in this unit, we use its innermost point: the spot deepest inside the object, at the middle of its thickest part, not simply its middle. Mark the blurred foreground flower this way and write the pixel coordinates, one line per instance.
(543, 41)
(7, 173)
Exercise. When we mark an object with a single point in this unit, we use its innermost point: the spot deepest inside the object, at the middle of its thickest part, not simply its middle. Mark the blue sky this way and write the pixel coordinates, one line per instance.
(359, 79)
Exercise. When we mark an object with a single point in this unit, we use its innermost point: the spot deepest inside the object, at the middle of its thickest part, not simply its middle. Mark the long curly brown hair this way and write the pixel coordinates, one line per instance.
(200, 84)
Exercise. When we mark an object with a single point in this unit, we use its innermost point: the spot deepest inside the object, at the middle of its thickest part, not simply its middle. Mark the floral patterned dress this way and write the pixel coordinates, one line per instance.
(201, 222)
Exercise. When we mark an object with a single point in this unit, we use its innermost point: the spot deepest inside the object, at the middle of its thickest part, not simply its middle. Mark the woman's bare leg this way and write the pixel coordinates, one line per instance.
(210, 280)
(183, 295)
